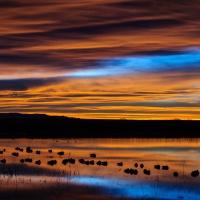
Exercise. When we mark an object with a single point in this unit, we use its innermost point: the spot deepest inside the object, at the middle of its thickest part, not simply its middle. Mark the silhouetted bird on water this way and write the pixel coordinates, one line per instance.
(15, 154)
(127, 170)
(61, 153)
(131, 171)
(136, 165)
(165, 167)
(52, 162)
(120, 164)
(72, 161)
(147, 172)
(38, 152)
(28, 160)
(91, 162)
(87, 162)
(141, 166)
(1, 152)
(29, 150)
(50, 151)
(82, 161)
(175, 174)
(157, 167)
(22, 161)
(3, 161)
(195, 173)
(38, 162)
(93, 155)
(17, 148)
(4, 150)
(65, 161)
(99, 162)
(104, 163)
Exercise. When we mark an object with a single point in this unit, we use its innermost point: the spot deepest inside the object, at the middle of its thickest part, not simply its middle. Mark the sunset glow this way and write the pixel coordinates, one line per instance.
(108, 59)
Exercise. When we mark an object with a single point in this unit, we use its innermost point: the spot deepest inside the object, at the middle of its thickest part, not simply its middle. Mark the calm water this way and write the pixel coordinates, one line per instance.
(81, 181)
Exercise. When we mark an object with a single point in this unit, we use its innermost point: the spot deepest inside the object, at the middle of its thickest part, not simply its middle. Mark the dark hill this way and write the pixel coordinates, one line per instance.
(44, 126)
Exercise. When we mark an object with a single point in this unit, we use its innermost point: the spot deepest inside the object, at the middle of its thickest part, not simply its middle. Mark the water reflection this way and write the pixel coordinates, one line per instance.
(99, 169)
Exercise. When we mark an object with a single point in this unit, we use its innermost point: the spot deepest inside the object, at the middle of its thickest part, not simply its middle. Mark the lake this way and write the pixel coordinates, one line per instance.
(167, 163)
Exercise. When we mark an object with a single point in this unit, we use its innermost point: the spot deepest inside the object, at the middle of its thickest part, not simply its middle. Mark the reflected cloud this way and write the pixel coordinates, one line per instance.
(135, 189)
(101, 182)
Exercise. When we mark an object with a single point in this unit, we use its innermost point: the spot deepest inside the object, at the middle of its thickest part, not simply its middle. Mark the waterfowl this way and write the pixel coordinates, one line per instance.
(120, 164)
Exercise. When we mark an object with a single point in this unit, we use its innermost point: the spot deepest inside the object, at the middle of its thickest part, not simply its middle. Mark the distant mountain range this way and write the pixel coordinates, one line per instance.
(19, 115)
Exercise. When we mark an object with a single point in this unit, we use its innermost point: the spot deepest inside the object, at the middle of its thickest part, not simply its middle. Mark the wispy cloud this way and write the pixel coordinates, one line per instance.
(142, 64)
(136, 59)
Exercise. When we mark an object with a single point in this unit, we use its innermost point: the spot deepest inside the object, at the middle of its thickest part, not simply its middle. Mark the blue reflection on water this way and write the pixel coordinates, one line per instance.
(139, 189)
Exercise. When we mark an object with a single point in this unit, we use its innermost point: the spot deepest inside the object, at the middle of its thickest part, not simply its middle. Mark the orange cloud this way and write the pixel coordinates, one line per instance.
(44, 43)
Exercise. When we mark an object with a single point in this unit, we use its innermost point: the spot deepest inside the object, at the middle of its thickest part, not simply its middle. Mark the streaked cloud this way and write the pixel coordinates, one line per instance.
(96, 59)
(141, 64)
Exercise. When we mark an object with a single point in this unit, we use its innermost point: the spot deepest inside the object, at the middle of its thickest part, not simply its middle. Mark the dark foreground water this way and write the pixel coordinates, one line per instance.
(89, 180)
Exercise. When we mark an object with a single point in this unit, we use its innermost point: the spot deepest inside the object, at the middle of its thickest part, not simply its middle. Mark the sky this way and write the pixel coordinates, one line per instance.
(102, 59)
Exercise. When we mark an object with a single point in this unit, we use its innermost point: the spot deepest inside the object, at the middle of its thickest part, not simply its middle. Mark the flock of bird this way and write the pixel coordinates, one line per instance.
(88, 162)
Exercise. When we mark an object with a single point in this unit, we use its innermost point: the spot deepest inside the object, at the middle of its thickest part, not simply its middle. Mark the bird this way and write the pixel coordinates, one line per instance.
(87, 162)
(136, 165)
(50, 151)
(104, 163)
(72, 161)
(99, 162)
(65, 161)
(29, 160)
(38, 152)
(29, 150)
(195, 173)
(120, 164)
(93, 155)
(52, 162)
(17, 148)
(133, 171)
(127, 170)
(165, 167)
(147, 172)
(175, 174)
(141, 166)
(61, 153)
(91, 162)
(82, 161)
(157, 167)
(22, 161)
(38, 162)
(1, 152)
(15, 154)
(3, 161)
